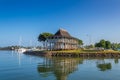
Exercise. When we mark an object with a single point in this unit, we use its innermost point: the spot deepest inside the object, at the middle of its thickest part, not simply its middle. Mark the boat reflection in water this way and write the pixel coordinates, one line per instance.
(60, 67)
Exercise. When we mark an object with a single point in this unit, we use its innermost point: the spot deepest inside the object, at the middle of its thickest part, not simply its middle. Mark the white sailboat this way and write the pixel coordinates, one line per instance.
(21, 50)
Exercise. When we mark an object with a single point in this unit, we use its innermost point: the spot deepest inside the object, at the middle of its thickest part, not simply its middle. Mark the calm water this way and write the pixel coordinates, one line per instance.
(14, 66)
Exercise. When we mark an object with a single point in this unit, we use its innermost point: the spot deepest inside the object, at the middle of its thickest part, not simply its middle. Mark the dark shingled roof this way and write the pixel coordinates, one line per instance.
(62, 33)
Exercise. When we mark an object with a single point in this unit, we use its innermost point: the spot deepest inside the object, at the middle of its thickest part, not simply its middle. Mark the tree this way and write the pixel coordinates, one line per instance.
(114, 46)
(43, 36)
(89, 46)
(118, 46)
(97, 45)
(108, 44)
(80, 42)
(102, 43)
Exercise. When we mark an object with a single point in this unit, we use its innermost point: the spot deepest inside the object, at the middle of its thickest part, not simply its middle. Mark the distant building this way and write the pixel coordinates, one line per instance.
(62, 40)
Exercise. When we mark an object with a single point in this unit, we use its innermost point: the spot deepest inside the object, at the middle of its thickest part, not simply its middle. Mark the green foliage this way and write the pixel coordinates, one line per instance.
(97, 45)
(104, 66)
(108, 44)
(10, 47)
(104, 44)
(115, 46)
(89, 46)
(80, 42)
(44, 36)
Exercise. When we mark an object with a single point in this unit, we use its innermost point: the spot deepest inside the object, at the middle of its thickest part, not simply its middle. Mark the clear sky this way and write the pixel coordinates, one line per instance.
(85, 19)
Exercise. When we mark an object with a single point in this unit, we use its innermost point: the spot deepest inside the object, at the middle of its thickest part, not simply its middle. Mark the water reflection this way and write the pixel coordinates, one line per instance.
(60, 67)
(116, 61)
(28, 67)
(104, 66)
(63, 67)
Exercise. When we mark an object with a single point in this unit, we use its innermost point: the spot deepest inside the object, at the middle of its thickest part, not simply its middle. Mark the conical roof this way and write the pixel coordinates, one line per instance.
(62, 33)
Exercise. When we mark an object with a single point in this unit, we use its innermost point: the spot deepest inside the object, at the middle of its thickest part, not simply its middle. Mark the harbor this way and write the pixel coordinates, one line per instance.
(21, 67)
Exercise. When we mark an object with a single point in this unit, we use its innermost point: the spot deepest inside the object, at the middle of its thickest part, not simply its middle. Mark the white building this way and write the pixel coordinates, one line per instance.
(61, 40)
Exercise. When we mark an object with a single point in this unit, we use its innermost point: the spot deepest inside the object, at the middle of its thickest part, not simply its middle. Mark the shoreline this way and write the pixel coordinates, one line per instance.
(73, 54)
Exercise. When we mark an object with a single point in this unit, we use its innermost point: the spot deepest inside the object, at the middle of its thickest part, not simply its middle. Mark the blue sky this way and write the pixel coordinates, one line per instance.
(84, 19)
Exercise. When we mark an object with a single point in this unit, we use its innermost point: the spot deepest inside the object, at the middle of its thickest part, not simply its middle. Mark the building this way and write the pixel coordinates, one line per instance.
(62, 40)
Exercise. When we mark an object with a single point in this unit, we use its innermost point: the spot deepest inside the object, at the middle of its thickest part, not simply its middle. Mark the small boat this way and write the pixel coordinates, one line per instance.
(21, 50)
(32, 49)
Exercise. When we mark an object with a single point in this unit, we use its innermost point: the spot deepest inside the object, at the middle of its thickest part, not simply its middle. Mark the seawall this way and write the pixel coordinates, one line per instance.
(62, 54)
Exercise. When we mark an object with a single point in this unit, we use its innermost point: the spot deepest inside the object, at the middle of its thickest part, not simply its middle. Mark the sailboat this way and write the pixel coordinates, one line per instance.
(21, 50)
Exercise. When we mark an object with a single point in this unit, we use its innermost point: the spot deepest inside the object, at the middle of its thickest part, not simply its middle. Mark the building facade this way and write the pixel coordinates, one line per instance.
(61, 40)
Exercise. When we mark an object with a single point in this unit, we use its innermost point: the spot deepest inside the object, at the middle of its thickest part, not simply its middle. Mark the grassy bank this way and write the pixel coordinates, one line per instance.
(85, 51)
(77, 53)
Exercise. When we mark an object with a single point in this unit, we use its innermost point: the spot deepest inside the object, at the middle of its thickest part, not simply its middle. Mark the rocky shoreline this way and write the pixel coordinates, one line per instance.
(36, 53)
(62, 54)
